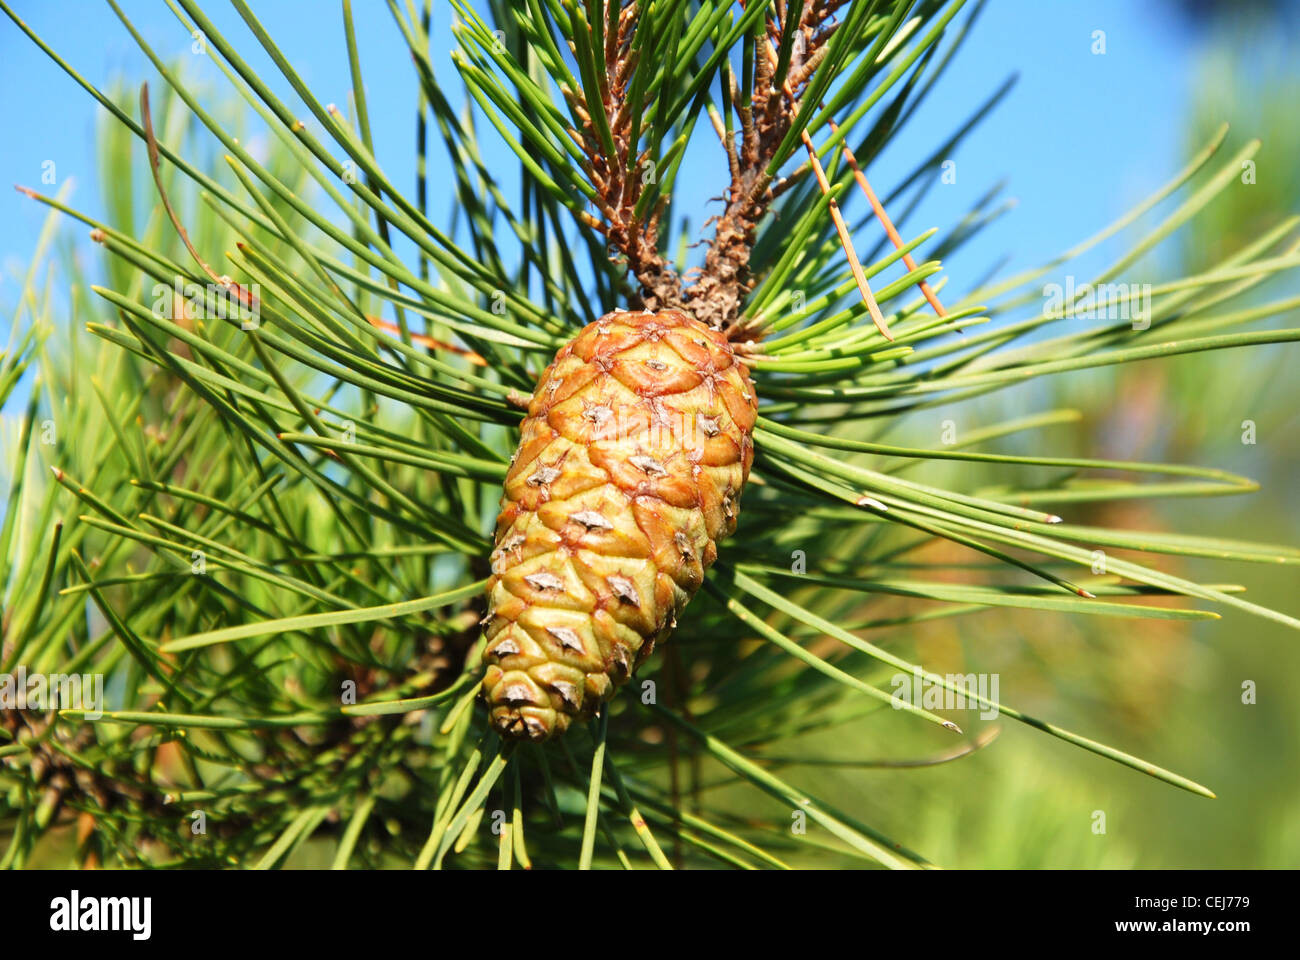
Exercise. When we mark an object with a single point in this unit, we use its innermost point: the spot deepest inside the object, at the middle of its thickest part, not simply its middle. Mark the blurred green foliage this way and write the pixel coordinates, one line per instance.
(1169, 691)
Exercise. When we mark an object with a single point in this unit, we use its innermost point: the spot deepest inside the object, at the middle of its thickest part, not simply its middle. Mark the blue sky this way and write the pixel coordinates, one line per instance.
(1080, 139)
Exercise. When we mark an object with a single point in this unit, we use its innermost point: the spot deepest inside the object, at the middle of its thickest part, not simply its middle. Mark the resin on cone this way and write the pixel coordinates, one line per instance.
(629, 470)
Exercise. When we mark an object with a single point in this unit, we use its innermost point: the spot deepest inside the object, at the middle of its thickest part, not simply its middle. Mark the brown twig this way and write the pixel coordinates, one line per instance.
(846, 240)
(618, 179)
(427, 341)
(716, 295)
(246, 298)
(878, 208)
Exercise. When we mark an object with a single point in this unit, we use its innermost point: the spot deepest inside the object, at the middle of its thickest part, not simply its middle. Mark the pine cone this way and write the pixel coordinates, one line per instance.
(628, 472)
